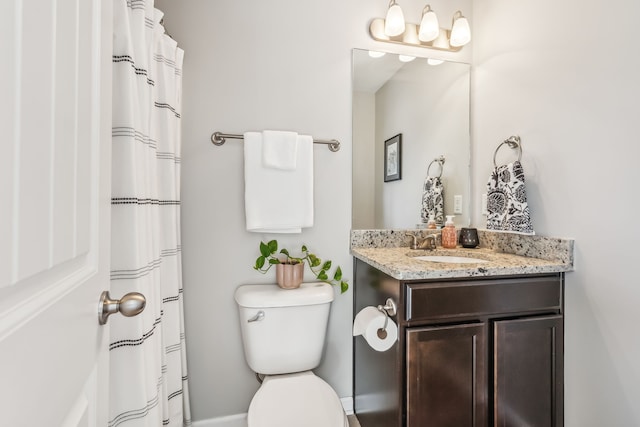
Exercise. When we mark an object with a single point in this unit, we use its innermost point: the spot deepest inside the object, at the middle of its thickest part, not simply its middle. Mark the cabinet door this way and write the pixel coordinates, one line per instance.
(446, 376)
(528, 372)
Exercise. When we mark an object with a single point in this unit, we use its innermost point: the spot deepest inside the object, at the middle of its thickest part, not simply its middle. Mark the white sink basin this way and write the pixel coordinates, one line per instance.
(450, 259)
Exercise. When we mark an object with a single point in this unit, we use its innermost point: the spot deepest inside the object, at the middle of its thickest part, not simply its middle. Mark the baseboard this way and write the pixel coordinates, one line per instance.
(240, 420)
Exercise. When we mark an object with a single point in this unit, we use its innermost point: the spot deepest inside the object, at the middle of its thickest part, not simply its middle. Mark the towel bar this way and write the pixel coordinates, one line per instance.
(219, 138)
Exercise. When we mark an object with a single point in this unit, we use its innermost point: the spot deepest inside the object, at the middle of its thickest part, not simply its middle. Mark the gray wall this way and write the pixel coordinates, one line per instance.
(561, 74)
(564, 76)
(251, 66)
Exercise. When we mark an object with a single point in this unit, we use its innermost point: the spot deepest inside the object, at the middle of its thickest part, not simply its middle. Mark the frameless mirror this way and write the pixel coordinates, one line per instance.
(427, 104)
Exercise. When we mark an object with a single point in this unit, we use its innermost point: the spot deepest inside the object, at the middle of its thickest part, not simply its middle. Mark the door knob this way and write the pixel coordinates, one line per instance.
(129, 305)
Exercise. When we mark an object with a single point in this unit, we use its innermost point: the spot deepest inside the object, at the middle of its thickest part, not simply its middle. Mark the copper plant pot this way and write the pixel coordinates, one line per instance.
(289, 276)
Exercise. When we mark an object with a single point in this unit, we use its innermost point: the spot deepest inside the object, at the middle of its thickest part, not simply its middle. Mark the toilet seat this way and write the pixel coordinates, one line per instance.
(292, 400)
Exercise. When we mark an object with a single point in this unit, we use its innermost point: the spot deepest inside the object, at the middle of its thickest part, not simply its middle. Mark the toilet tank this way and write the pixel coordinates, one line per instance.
(283, 330)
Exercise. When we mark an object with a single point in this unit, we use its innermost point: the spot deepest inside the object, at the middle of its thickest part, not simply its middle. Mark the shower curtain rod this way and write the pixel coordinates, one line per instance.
(219, 138)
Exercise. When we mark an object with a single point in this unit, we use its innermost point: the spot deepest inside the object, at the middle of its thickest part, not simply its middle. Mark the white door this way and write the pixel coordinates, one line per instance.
(55, 122)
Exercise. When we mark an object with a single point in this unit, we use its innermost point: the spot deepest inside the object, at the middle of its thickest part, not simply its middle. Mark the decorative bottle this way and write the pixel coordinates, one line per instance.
(449, 235)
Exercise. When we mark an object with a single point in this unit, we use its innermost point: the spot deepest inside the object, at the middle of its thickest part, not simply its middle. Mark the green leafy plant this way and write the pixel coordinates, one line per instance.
(269, 256)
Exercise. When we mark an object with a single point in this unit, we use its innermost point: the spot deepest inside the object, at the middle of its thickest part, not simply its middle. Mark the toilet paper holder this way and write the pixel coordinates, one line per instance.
(389, 309)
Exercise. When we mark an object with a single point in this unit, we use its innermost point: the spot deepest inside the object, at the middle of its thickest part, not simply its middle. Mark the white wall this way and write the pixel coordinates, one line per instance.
(564, 76)
(282, 64)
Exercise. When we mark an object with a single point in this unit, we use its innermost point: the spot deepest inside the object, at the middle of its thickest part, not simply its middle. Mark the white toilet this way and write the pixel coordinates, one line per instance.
(283, 332)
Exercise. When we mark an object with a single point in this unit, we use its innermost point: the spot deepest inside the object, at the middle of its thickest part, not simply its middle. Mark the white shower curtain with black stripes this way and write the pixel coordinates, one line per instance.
(148, 372)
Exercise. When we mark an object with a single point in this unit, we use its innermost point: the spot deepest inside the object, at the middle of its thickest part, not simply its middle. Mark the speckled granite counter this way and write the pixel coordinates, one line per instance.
(505, 253)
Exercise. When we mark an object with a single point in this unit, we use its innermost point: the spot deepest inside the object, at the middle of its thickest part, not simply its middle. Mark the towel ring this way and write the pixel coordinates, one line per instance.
(439, 161)
(512, 142)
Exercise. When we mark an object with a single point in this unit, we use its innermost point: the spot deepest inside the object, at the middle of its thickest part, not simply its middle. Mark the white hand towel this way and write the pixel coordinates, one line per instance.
(279, 149)
(277, 201)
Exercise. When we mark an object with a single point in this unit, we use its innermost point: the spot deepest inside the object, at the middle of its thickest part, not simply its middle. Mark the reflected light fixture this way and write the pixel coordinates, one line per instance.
(460, 31)
(429, 27)
(406, 58)
(376, 54)
(394, 22)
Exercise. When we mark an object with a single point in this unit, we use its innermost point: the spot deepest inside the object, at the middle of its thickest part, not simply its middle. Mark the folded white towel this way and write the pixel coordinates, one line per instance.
(279, 149)
(277, 201)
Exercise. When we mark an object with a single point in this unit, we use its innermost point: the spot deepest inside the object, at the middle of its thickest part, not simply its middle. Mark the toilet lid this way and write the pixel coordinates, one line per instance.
(294, 400)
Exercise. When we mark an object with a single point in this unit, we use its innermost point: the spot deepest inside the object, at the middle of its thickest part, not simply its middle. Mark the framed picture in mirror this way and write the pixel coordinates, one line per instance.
(393, 158)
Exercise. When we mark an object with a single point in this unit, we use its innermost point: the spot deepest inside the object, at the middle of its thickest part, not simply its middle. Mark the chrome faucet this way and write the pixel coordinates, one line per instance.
(414, 240)
(428, 242)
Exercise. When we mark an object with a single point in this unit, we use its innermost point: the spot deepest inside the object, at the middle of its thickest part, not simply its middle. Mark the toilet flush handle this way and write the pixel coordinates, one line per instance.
(259, 316)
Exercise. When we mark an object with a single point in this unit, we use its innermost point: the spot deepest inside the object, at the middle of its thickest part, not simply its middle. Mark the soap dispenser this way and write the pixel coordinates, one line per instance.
(449, 235)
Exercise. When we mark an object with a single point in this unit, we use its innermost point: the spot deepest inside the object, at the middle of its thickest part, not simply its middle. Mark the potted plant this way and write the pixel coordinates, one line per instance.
(289, 269)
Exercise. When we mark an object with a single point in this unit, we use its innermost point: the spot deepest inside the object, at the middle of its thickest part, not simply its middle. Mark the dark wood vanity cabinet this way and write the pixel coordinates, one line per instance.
(446, 375)
(474, 352)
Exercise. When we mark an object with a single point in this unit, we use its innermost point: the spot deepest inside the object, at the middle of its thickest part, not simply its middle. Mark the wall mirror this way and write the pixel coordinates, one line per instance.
(427, 103)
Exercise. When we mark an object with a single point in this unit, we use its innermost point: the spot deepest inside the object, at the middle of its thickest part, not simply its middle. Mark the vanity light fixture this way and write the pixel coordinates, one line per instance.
(393, 29)
(406, 58)
(429, 27)
(394, 22)
(434, 61)
(460, 31)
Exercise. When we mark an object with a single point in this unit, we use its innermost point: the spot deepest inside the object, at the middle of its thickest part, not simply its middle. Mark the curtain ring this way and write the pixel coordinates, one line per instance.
(512, 142)
(440, 162)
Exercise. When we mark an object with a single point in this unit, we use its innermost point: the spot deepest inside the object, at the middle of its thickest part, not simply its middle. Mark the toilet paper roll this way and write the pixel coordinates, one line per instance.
(367, 323)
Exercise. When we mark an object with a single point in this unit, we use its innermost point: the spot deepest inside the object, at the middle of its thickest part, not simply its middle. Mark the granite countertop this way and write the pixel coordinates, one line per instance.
(504, 253)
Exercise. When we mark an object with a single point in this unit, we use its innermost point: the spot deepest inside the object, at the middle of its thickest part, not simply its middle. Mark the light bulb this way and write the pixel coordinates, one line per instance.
(429, 26)
(406, 58)
(394, 22)
(460, 31)
(433, 61)
(376, 54)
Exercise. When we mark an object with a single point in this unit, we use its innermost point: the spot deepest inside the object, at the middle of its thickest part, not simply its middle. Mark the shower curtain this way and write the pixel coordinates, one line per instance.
(148, 372)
